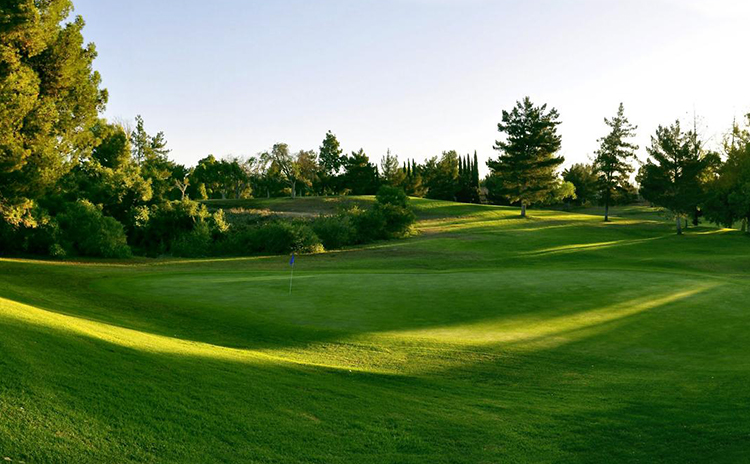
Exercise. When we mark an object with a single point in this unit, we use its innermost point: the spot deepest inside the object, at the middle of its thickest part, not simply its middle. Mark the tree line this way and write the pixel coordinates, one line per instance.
(328, 171)
(72, 182)
(680, 175)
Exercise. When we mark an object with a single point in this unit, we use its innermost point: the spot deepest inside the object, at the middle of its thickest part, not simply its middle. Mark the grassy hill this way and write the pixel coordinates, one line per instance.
(486, 338)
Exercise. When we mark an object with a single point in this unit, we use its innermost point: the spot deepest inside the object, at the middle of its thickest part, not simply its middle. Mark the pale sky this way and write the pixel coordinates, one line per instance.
(416, 76)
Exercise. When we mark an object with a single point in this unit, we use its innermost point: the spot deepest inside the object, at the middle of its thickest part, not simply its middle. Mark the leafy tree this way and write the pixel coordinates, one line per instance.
(50, 99)
(585, 181)
(729, 194)
(331, 162)
(226, 178)
(441, 176)
(563, 192)
(307, 168)
(672, 177)
(108, 176)
(287, 165)
(87, 232)
(360, 175)
(527, 160)
(265, 176)
(612, 158)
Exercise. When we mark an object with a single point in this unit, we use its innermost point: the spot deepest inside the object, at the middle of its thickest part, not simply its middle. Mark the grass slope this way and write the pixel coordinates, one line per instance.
(486, 338)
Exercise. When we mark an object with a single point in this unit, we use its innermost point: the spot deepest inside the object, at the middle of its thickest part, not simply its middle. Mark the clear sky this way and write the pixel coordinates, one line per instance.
(416, 76)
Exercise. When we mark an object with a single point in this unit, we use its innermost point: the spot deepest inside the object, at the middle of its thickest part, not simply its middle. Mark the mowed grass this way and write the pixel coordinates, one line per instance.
(484, 339)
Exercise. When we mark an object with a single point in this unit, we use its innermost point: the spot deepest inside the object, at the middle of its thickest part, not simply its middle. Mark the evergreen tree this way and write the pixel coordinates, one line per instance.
(612, 158)
(151, 153)
(527, 160)
(330, 161)
(50, 99)
(392, 174)
(360, 175)
(475, 172)
(441, 176)
(672, 177)
(729, 195)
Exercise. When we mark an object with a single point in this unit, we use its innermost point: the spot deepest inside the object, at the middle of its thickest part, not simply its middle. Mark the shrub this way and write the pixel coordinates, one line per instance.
(335, 231)
(369, 224)
(389, 195)
(398, 219)
(196, 243)
(275, 237)
(174, 226)
(86, 231)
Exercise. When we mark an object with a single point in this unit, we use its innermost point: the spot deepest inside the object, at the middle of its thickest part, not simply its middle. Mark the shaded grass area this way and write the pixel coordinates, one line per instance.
(486, 338)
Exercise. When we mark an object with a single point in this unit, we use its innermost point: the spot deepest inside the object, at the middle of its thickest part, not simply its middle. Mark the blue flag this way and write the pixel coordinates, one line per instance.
(291, 261)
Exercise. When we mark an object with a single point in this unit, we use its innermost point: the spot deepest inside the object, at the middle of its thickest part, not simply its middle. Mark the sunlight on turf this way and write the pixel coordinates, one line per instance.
(531, 332)
(135, 339)
(590, 246)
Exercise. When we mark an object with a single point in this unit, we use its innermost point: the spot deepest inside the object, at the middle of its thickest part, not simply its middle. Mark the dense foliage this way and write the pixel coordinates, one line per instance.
(72, 183)
(527, 163)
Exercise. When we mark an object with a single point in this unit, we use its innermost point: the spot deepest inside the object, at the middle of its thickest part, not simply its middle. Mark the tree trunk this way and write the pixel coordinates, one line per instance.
(606, 211)
(523, 210)
(679, 225)
(294, 189)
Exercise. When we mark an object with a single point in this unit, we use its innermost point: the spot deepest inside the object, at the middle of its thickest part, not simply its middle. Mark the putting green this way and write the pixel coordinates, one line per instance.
(484, 339)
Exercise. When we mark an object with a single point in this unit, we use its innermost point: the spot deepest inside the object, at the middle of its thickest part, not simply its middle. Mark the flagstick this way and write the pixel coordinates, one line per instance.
(291, 278)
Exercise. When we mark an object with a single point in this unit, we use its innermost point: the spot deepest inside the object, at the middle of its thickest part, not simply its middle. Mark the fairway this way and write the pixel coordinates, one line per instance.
(485, 338)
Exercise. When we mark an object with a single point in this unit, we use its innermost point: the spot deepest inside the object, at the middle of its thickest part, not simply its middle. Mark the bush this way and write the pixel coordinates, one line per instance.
(335, 231)
(398, 219)
(86, 231)
(196, 243)
(175, 226)
(275, 237)
(389, 195)
(369, 224)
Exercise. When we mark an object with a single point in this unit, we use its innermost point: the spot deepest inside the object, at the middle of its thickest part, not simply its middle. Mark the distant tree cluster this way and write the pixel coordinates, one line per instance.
(74, 183)
(680, 175)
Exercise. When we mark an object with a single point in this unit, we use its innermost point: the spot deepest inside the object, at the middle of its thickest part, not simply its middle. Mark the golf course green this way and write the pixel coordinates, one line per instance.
(484, 338)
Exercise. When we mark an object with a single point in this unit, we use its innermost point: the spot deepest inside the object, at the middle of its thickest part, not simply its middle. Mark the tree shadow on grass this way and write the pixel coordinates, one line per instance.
(111, 401)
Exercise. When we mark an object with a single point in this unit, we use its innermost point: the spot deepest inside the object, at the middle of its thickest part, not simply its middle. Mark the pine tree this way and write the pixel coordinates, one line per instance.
(330, 160)
(527, 160)
(612, 158)
(672, 177)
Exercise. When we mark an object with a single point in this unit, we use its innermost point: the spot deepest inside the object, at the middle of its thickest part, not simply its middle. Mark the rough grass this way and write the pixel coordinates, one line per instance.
(487, 338)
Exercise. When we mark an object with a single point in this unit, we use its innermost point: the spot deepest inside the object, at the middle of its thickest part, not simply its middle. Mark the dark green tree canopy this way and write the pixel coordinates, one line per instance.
(612, 162)
(361, 176)
(584, 179)
(673, 176)
(330, 155)
(527, 161)
(50, 99)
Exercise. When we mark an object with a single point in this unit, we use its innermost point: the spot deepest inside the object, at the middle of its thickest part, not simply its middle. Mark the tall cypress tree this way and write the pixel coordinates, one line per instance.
(475, 171)
(612, 158)
(527, 160)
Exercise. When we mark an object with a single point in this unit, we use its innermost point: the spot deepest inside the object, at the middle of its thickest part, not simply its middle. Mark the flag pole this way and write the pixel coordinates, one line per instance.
(291, 277)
